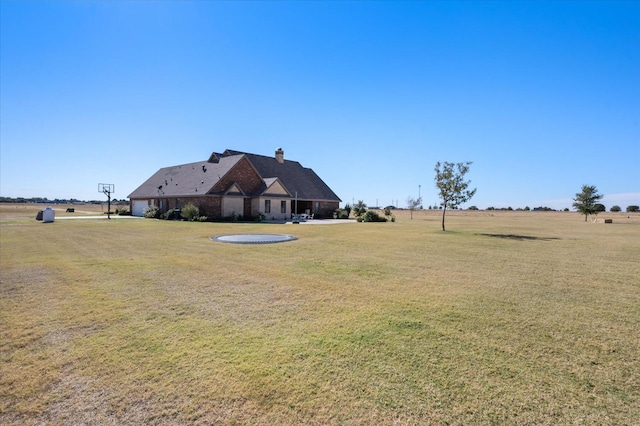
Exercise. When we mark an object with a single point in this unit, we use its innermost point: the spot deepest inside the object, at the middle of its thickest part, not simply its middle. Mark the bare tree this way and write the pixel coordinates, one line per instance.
(451, 185)
(413, 203)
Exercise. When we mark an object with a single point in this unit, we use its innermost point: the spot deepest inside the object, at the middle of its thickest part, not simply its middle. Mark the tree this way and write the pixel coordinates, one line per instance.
(632, 209)
(359, 208)
(451, 185)
(413, 203)
(615, 208)
(586, 201)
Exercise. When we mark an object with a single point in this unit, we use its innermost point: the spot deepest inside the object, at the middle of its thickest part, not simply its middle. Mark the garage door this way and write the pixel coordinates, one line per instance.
(139, 206)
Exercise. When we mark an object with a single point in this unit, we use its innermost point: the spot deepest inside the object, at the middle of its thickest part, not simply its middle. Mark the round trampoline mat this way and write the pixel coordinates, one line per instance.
(254, 238)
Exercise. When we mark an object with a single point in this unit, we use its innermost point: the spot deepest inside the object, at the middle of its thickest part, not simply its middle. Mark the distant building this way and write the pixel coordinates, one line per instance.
(238, 184)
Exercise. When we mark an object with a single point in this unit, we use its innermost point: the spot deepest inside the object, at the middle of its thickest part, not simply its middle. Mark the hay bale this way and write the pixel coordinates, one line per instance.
(608, 221)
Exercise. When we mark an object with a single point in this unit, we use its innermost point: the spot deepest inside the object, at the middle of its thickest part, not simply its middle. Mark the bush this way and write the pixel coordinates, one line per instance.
(151, 213)
(371, 216)
(122, 212)
(190, 212)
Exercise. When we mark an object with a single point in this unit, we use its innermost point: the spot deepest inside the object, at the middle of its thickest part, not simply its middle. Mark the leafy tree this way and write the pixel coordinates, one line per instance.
(599, 208)
(359, 208)
(633, 209)
(586, 200)
(413, 203)
(453, 189)
(615, 208)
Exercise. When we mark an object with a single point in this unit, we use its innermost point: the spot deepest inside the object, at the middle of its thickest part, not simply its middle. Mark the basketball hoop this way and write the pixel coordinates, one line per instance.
(107, 189)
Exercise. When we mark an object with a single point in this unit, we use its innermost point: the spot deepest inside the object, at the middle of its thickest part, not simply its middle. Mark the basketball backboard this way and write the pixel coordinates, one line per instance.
(106, 188)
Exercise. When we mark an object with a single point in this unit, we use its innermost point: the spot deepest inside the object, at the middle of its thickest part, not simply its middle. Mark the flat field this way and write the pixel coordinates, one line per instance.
(506, 318)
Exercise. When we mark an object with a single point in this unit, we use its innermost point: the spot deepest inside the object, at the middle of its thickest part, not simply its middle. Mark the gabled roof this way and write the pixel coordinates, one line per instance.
(273, 186)
(295, 178)
(200, 178)
(234, 189)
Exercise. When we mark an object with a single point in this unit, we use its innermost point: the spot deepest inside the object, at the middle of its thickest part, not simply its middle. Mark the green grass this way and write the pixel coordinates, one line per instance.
(516, 318)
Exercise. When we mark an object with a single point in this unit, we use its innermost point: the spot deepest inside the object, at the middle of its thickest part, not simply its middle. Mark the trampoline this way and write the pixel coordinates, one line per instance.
(254, 238)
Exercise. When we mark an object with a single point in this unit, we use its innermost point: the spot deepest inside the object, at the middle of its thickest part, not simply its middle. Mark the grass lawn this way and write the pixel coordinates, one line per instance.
(506, 318)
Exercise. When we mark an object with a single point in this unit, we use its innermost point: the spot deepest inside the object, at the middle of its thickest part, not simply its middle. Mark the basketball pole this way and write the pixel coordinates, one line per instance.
(107, 189)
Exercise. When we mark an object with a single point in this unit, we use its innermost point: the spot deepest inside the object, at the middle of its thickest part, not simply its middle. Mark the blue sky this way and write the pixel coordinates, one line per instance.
(542, 96)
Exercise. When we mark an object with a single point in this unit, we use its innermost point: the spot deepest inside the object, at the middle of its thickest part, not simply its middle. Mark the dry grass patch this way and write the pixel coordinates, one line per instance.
(507, 318)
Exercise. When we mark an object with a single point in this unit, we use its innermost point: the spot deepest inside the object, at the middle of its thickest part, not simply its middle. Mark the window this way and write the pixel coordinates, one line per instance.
(267, 206)
(283, 206)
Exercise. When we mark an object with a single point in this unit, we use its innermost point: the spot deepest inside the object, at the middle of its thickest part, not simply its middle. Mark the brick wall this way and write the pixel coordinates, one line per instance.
(244, 175)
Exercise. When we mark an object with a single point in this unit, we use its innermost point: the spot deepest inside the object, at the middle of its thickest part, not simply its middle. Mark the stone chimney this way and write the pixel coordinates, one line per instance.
(280, 155)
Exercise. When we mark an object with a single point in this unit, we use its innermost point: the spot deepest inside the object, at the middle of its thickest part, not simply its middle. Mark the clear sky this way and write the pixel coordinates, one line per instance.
(542, 96)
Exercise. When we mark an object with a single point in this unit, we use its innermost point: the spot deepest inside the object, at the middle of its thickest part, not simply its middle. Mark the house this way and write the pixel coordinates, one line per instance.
(238, 184)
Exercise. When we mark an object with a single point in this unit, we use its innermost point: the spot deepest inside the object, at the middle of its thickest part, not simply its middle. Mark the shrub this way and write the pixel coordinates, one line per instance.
(344, 214)
(190, 212)
(122, 212)
(371, 216)
(151, 213)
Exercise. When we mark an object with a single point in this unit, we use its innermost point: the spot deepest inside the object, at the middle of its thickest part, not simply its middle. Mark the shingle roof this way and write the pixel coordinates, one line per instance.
(185, 179)
(293, 176)
(199, 178)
